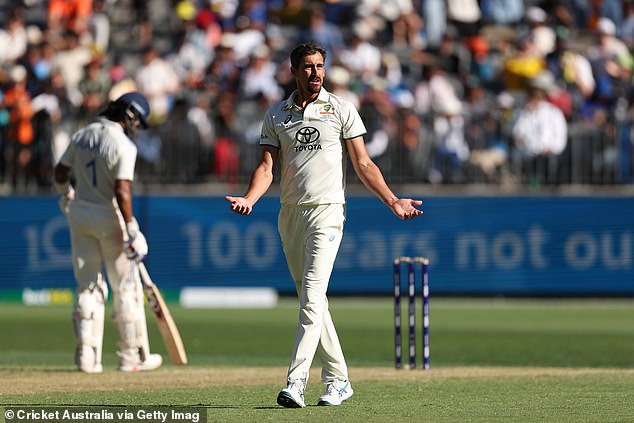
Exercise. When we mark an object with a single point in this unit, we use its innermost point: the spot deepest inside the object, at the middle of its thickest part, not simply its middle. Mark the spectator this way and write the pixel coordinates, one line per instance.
(71, 59)
(226, 148)
(407, 26)
(434, 90)
(612, 65)
(465, 15)
(99, 27)
(540, 133)
(452, 54)
(613, 10)
(378, 111)
(17, 102)
(627, 30)
(120, 81)
(200, 115)
(143, 21)
(37, 66)
(573, 69)
(524, 63)
(157, 80)
(201, 37)
(434, 13)
(482, 64)
(187, 59)
(69, 16)
(244, 40)
(402, 23)
(363, 58)
(540, 31)
(47, 115)
(252, 13)
(503, 12)
(490, 138)
(323, 32)
(13, 38)
(224, 71)
(451, 151)
(250, 116)
(410, 141)
(181, 152)
(259, 76)
(94, 88)
(226, 11)
(292, 14)
(569, 14)
(338, 81)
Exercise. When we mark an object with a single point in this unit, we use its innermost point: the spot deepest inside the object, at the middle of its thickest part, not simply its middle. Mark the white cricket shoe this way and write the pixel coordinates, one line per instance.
(86, 361)
(95, 368)
(337, 391)
(152, 362)
(293, 395)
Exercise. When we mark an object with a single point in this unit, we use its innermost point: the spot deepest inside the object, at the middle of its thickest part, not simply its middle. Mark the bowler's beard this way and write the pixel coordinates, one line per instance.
(313, 86)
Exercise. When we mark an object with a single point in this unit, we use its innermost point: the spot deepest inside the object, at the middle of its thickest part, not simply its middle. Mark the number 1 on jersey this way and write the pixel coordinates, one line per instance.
(93, 167)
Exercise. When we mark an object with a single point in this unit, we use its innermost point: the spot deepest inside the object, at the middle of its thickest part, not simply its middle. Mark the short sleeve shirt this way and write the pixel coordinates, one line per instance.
(99, 154)
(312, 147)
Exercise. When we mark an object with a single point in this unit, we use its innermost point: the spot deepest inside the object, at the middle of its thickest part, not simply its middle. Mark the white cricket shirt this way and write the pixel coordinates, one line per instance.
(99, 154)
(312, 147)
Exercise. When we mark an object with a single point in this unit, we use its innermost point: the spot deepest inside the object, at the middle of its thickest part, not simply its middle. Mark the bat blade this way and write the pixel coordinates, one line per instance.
(167, 326)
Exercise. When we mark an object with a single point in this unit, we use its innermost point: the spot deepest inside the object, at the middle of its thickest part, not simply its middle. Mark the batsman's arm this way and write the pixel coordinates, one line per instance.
(261, 180)
(123, 194)
(62, 179)
(372, 178)
(61, 176)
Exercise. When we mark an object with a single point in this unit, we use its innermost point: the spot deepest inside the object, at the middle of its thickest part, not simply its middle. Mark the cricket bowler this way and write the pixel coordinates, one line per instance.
(310, 135)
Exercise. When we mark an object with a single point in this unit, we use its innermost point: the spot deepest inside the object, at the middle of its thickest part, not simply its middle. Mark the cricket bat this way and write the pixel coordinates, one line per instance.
(166, 325)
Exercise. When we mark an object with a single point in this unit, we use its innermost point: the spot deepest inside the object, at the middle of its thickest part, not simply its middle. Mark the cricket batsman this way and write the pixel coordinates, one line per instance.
(100, 158)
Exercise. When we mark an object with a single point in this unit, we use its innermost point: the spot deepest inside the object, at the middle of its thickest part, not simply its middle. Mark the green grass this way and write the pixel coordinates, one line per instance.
(589, 344)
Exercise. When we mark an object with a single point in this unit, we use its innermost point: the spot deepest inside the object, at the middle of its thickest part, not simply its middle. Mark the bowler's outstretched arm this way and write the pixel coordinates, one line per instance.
(372, 178)
(261, 180)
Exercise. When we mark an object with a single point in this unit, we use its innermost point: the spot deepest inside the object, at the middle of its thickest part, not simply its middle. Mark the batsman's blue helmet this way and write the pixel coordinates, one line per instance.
(137, 104)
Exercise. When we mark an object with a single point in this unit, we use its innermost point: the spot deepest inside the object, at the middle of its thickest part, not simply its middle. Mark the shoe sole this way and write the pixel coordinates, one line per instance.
(286, 401)
(134, 369)
(326, 403)
(330, 404)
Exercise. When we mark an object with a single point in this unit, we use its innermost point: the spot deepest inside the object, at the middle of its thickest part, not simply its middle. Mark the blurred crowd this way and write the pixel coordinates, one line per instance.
(451, 91)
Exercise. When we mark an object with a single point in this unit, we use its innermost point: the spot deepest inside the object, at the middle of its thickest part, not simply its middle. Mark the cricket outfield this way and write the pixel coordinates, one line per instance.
(507, 360)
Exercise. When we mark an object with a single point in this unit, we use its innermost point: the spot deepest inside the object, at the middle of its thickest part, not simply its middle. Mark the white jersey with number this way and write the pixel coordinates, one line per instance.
(312, 147)
(99, 154)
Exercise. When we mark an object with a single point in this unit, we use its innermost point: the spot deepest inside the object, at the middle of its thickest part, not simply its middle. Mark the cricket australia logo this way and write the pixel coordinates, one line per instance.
(307, 137)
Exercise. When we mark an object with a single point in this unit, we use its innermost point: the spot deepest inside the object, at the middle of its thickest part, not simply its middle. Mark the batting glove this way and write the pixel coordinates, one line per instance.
(135, 247)
(65, 199)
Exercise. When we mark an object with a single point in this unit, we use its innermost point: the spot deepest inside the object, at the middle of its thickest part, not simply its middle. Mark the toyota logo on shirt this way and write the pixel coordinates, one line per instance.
(307, 135)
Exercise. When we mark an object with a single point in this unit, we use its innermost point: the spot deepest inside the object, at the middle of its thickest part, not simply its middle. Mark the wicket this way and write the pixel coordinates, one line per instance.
(411, 281)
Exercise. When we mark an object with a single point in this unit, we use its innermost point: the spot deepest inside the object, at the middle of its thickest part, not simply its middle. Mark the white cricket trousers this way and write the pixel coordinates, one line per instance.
(97, 238)
(97, 241)
(310, 238)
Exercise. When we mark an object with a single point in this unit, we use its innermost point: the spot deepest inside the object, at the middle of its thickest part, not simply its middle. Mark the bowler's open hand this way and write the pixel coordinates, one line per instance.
(239, 205)
(404, 208)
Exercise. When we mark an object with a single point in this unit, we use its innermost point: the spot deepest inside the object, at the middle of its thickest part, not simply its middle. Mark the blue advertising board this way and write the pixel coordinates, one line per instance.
(508, 246)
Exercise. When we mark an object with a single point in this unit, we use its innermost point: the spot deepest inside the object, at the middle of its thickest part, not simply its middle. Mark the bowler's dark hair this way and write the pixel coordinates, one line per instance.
(306, 49)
